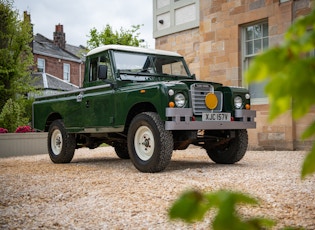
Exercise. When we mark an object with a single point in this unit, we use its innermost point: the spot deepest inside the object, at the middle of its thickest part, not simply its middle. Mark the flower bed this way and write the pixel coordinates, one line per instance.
(19, 144)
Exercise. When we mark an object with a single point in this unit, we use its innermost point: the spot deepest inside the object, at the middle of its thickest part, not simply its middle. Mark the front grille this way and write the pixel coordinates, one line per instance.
(198, 93)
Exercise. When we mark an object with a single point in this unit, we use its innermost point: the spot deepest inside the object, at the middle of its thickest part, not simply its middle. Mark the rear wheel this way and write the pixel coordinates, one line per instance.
(149, 144)
(230, 152)
(61, 145)
(122, 151)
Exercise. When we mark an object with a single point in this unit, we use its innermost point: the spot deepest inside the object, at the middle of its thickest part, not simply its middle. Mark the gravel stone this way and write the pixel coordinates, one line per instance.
(97, 190)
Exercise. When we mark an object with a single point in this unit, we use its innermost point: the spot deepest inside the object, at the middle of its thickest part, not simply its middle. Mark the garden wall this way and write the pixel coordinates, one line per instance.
(20, 144)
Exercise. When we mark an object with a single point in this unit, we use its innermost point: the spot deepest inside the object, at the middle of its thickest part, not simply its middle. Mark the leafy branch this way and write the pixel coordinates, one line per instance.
(193, 205)
(289, 70)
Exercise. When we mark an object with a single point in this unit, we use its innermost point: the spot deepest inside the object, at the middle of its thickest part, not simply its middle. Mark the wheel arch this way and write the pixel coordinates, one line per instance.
(51, 118)
(137, 109)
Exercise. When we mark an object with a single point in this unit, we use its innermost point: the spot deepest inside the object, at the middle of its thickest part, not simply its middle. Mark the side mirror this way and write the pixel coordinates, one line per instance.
(102, 72)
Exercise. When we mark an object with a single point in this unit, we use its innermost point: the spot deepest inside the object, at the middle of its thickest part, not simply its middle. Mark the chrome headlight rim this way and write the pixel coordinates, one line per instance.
(180, 100)
(238, 102)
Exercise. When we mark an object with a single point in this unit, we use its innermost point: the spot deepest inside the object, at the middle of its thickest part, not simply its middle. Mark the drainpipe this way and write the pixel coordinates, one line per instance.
(80, 75)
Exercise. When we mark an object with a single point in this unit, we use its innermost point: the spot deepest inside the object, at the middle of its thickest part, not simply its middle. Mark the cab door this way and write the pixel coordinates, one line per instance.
(98, 107)
(98, 101)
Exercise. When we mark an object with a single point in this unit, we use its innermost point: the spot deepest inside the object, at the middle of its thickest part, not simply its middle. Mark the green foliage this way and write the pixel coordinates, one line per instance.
(15, 61)
(290, 72)
(12, 116)
(193, 205)
(128, 37)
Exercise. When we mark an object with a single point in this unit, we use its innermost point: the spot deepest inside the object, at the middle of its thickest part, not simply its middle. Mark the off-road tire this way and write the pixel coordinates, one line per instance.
(61, 145)
(122, 151)
(230, 152)
(150, 145)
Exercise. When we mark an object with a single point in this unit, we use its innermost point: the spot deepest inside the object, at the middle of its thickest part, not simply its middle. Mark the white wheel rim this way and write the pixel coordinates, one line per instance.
(56, 142)
(144, 143)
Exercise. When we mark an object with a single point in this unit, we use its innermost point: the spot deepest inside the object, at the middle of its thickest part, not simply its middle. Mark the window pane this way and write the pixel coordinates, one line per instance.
(249, 48)
(66, 72)
(257, 31)
(265, 30)
(257, 90)
(257, 46)
(265, 43)
(130, 62)
(254, 41)
(41, 65)
(249, 33)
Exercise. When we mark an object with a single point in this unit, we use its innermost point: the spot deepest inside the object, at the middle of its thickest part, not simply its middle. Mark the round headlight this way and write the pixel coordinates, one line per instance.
(247, 95)
(238, 101)
(180, 100)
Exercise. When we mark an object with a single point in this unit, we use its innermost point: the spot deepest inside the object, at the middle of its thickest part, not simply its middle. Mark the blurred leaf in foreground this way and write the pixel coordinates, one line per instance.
(289, 70)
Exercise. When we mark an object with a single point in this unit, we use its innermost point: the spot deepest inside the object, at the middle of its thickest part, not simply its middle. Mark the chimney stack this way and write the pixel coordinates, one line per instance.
(27, 19)
(60, 36)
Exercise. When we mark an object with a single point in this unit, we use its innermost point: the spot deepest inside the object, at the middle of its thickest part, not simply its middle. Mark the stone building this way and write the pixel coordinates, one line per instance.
(219, 38)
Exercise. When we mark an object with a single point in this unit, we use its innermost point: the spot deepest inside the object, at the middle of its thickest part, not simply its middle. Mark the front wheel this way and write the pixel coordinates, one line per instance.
(61, 145)
(150, 145)
(230, 152)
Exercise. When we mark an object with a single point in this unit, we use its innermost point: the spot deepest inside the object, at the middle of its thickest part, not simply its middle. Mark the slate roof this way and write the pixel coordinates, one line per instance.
(46, 81)
(79, 51)
(46, 47)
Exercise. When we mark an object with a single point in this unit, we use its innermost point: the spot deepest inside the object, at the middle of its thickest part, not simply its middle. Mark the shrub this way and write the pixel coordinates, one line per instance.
(11, 115)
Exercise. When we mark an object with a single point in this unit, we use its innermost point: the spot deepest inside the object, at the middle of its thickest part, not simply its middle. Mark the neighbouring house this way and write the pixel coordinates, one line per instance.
(58, 66)
(219, 38)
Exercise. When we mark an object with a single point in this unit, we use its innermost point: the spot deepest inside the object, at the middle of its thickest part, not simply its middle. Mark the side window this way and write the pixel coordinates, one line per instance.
(95, 63)
(93, 69)
(104, 60)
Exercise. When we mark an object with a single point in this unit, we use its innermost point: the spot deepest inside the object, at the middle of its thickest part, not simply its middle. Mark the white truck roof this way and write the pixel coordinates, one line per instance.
(132, 49)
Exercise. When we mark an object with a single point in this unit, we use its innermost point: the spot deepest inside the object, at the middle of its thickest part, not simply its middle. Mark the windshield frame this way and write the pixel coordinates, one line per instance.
(148, 66)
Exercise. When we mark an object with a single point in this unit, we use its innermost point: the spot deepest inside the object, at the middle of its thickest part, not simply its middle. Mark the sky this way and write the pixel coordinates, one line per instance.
(78, 17)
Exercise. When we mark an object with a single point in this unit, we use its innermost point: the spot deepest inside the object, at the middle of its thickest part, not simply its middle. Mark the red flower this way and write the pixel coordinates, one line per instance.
(3, 130)
(24, 129)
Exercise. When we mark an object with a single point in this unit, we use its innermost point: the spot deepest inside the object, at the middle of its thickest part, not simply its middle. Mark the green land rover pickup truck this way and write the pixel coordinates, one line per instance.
(145, 103)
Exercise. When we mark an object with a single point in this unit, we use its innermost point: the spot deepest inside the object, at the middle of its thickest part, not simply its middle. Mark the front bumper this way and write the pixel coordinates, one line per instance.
(181, 120)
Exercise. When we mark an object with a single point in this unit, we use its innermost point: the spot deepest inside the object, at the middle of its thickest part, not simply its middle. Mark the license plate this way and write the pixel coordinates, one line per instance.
(216, 117)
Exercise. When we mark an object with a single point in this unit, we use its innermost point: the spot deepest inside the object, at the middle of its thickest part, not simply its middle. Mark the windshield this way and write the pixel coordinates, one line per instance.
(148, 64)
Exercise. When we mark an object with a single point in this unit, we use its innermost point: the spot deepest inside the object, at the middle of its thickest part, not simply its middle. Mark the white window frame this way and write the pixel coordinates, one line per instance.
(66, 72)
(40, 65)
(247, 57)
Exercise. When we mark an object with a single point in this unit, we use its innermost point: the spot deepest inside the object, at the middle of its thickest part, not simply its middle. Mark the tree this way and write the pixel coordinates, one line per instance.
(108, 36)
(15, 55)
(289, 70)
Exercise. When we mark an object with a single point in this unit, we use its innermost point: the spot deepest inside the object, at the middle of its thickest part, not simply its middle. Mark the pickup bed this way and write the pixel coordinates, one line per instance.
(145, 103)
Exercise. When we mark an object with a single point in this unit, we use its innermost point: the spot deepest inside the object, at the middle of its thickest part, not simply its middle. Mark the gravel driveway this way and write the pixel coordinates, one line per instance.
(100, 191)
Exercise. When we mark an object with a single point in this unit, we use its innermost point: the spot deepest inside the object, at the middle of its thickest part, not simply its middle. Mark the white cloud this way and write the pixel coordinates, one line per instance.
(79, 16)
